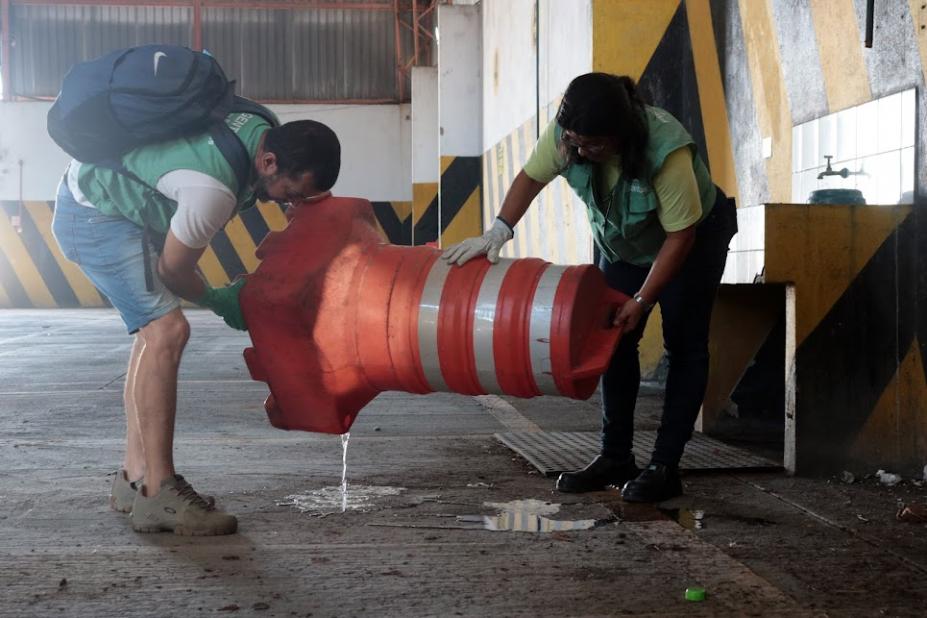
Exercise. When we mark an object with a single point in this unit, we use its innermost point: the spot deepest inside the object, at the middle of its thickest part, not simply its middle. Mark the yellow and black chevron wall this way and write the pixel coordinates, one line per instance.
(555, 228)
(861, 387)
(858, 273)
(736, 72)
(33, 273)
(449, 208)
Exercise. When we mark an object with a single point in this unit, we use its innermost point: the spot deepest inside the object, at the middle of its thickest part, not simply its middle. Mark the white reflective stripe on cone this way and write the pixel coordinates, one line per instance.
(428, 325)
(542, 307)
(484, 314)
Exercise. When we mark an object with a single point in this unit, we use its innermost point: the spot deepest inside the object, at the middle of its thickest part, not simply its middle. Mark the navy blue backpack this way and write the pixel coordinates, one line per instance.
(144, 95)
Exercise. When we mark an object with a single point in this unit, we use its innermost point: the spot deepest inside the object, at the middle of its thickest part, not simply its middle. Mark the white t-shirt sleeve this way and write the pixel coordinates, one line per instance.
(204, 205)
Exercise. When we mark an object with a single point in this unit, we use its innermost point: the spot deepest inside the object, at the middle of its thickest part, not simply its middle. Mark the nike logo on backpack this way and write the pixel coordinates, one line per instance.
(157, 59)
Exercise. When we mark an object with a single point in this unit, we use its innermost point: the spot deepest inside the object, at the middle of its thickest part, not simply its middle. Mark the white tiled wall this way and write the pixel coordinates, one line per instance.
(875, 141)
(747, 255)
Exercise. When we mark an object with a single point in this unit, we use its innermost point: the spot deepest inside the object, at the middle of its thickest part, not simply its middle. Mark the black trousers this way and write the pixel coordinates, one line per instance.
(686, 305)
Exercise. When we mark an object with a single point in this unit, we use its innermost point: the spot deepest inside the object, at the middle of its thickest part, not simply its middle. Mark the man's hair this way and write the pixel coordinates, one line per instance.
(306, 146)
(602, 104)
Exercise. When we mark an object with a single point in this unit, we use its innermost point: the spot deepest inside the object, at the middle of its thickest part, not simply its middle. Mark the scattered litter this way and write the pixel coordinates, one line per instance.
(848, 477)
(913, 513)
(487, 485)
(63, 583)
(695, 594)
(862, 519)
(887, 478)
(731, 409)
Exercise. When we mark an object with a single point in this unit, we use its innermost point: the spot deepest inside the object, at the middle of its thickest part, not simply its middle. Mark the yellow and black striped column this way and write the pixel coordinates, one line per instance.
(450, 208)
(34, 273)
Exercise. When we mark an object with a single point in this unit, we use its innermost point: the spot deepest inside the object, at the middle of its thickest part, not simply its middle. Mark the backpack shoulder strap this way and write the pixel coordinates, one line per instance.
(231, 146)
(234, 152)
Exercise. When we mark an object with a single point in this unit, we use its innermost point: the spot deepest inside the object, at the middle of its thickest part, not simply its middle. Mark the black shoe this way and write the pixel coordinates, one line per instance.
(658, 482)
(602, 472)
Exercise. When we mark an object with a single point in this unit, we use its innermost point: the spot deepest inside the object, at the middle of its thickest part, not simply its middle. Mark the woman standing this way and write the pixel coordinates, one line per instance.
(662, 229)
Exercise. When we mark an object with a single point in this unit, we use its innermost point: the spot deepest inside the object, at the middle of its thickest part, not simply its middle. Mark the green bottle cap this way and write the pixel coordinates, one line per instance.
(695, 594)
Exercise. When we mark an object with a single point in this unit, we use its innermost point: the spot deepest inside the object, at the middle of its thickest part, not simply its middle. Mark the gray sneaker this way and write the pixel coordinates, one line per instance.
(123, 493)
(179, 509)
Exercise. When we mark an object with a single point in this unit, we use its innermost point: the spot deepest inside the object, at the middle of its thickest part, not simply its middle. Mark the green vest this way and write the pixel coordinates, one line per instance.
(115, 194)
(627, 229)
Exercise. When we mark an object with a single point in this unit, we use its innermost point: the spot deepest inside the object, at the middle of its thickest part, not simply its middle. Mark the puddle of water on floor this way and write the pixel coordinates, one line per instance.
(690, 519)
(329, 500)
(528, 516)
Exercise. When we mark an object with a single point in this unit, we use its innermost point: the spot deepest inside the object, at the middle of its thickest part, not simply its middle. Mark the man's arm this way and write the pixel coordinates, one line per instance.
(204, 206)
(177, 269)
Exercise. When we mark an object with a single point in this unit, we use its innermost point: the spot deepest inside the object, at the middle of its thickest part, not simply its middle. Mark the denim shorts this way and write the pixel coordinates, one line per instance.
(109, 251)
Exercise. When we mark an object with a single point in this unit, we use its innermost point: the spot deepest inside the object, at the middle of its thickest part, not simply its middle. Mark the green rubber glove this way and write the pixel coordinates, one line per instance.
(224, 303)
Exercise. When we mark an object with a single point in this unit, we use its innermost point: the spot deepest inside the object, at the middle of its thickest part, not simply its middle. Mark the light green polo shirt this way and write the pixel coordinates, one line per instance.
(679, 203)
(113, 193)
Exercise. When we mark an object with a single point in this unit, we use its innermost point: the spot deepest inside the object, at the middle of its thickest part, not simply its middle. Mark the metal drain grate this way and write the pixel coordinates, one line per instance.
(553, 452)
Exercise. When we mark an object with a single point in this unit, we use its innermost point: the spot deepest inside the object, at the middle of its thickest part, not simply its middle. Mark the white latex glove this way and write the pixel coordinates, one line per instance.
(489, 244)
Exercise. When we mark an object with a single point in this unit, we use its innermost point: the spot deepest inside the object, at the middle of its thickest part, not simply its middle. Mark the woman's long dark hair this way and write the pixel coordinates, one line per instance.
(602, 104)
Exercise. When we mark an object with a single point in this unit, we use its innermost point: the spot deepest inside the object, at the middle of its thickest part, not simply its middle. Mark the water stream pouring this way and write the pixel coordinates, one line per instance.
(344, 471)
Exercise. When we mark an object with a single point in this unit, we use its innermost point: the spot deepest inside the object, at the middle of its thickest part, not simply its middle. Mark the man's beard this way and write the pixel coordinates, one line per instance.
(260, 191)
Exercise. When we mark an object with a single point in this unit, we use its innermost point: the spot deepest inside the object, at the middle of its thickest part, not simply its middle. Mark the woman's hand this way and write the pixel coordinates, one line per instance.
(489, 244)
(523, 190)
(629, 316)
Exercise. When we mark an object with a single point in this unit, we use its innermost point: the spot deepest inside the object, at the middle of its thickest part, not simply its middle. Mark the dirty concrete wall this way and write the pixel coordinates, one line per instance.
(509, 65)
(531, 52)
(454, 213)
(426, 168)
(376, 155)
(862, 334)
(786, 62)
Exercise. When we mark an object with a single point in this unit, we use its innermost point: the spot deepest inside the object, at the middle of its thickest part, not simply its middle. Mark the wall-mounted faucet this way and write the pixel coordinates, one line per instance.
(832, 172)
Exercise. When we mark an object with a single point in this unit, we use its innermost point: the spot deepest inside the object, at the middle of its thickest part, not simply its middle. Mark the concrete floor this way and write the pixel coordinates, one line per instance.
(767, 544)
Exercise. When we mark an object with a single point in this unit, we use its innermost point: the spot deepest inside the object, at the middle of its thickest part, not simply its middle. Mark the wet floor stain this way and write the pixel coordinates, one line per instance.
(529, 516)
(744, 519)
(694, 519)
(329, 500)
(690, 519)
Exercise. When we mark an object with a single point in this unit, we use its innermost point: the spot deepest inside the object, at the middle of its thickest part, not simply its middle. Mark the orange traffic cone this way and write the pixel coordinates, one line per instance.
(337, 316)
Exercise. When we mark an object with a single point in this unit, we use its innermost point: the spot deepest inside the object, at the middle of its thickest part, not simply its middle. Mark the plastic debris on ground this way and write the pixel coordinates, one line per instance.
(913, 513)
(887, 478)
(695, 594)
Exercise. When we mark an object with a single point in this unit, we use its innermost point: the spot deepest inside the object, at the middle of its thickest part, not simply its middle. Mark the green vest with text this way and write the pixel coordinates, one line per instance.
(625, 226)
(115, 194)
